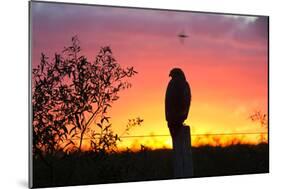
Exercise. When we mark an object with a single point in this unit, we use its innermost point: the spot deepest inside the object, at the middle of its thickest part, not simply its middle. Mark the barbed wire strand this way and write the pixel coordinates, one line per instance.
(192, 135)
(211, 134)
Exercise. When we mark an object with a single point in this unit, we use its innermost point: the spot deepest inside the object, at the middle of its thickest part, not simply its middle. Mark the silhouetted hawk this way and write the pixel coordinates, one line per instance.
(178, 98)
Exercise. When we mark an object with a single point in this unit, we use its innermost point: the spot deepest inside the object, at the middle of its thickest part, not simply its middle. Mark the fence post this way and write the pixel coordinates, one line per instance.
(183, 165)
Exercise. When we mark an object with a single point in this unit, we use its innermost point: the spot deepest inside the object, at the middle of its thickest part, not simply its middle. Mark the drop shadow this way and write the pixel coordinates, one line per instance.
(23, 183)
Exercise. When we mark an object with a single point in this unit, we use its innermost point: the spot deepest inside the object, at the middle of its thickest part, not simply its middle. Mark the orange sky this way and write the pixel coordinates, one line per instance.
(224, 60)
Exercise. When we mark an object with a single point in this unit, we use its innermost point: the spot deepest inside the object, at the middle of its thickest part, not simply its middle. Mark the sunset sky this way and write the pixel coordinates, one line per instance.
(224, 60)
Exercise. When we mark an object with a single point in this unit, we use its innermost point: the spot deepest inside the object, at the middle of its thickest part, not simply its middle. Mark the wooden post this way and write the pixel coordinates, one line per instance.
(183, 166)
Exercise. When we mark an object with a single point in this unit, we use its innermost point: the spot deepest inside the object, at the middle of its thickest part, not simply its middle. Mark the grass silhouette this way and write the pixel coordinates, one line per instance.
(93, 168)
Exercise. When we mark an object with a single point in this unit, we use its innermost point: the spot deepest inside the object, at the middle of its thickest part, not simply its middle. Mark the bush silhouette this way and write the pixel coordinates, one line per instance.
(71, 97)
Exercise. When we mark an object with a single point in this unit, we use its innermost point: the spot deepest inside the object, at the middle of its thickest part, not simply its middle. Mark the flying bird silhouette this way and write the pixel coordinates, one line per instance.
(182, 36)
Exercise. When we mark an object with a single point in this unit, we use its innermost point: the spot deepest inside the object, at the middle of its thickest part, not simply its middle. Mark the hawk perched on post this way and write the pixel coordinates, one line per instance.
(177, 103)
(178, 98)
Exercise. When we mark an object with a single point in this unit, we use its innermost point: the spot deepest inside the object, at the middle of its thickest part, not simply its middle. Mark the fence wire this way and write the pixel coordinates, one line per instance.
(192, 135)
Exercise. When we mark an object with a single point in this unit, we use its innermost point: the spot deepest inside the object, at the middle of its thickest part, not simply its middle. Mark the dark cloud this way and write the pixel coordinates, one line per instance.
(57, 17)
(56, 23)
